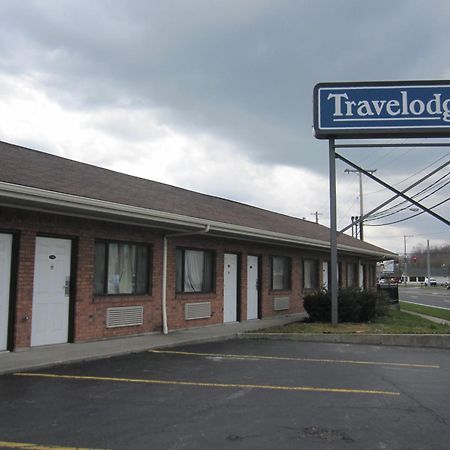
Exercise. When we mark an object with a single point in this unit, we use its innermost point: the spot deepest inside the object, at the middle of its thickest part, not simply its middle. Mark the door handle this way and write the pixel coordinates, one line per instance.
(67, 287)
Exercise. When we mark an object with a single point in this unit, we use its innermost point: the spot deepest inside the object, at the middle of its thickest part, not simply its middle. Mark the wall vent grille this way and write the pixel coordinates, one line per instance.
(197, 310)
(280, 303)
(124, 316)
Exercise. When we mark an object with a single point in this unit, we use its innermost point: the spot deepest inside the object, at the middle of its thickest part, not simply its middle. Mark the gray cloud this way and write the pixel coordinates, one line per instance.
(241, 70)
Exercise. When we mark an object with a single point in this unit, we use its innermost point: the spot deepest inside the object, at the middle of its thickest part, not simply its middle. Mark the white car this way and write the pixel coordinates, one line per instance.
(433, 282)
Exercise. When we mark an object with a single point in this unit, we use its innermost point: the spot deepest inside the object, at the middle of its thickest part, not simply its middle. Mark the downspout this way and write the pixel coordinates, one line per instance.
(164, 286)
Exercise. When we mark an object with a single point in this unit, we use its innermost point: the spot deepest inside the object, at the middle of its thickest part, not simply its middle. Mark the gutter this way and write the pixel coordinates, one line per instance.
(51, 198)
(164, 274)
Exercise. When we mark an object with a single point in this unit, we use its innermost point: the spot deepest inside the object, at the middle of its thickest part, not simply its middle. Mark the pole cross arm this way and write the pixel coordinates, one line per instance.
(397, 192)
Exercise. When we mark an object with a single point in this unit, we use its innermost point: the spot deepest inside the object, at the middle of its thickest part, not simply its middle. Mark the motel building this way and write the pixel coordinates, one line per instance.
(89, 254)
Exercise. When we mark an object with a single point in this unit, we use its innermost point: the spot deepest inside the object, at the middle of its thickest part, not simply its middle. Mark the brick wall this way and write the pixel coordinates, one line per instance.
(89, 321)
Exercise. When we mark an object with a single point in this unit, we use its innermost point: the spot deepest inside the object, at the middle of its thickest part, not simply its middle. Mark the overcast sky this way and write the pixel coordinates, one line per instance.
(216, 96)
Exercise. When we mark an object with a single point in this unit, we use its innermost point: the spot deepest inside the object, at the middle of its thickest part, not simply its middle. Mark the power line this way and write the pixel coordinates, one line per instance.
(361, 206)
(385, 213)
(414, 174)
(410, 217)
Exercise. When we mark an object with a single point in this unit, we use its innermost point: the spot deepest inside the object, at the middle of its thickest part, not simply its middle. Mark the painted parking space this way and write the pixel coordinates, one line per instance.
(208, 385)
(235, 383)
(249, 393)
(285, 358)
(30, 446)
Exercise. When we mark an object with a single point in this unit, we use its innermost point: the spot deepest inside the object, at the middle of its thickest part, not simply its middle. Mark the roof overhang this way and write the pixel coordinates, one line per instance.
(31, 198)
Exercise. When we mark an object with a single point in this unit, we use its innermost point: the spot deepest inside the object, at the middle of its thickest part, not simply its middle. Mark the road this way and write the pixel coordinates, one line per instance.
(426, 296)
(233, 395)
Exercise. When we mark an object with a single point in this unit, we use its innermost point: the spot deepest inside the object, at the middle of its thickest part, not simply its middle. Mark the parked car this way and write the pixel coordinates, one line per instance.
(432, 282)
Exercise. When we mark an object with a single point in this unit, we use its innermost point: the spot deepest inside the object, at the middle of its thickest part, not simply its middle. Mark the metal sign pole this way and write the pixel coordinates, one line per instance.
(333, 233)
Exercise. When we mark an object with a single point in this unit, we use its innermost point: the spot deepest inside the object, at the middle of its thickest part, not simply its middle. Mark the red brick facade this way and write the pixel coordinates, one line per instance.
(88, 318)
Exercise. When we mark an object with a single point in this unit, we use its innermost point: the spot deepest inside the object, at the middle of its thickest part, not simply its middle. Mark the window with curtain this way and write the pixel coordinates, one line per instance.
(281, 273)
(310, 274)
(195, 270)
(121, 268)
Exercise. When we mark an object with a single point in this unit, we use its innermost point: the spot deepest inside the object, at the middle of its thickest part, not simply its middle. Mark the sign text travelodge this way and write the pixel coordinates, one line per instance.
(382, 109)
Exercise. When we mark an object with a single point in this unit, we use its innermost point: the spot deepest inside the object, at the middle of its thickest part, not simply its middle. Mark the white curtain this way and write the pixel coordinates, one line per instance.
(121, 268)
(194, 265)
(127, 259)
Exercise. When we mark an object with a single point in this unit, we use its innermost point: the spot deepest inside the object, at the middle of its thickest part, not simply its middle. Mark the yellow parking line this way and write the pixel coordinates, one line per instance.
(4, 444)
(210, 385)
(285, 358)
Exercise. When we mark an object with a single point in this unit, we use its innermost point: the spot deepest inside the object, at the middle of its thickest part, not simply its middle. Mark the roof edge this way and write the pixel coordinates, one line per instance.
(55, 199)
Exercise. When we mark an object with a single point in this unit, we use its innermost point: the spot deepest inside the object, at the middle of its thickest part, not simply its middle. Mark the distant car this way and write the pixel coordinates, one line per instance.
(433, 282)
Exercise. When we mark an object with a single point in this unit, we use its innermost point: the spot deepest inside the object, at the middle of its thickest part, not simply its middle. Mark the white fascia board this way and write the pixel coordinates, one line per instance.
(52, 198)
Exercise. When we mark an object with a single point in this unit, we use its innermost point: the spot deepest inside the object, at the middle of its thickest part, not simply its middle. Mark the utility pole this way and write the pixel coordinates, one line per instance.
(361, 204)
(428, 263)
(406, 258)
(355, 225)
(317, 214)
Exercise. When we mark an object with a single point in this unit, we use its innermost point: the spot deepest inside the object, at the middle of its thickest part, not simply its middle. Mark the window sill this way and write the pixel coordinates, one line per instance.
(190, 295)
(118, 298)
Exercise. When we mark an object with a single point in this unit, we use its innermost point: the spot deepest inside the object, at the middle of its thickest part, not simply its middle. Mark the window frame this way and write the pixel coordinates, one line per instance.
(288, 259)
(148, 272)
(182, 251)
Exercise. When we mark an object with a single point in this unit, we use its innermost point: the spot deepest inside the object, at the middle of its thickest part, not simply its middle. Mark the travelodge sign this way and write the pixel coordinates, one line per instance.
(382, 109)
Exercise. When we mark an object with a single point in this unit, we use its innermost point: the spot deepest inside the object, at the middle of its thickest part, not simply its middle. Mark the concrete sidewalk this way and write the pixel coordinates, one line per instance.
(46, 356)
(425, 316)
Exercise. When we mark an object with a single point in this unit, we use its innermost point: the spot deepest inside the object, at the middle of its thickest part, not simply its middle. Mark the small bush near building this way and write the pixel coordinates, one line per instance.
(354, 305)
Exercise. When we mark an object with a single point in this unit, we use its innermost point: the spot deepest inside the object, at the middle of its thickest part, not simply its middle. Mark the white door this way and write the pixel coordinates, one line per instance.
(230, 288)
(5, 280)
(50, 321)
(252, 287)
(325, 275)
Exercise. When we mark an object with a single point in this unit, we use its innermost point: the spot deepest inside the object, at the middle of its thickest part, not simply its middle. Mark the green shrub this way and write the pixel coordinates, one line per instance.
(318, 306)
(349, 307)
(354, 305)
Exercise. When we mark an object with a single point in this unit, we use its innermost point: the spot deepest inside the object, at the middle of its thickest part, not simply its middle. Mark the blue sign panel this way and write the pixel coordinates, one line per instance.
(382, 109)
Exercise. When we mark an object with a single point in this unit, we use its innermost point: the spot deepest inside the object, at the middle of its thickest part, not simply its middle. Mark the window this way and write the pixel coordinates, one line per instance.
(195, 270)
(281, 273)
(310, 274)
(121, 268)
(351, 275)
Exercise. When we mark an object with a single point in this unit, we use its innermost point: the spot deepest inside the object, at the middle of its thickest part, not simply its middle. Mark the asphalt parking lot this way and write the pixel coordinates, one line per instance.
(235, 395)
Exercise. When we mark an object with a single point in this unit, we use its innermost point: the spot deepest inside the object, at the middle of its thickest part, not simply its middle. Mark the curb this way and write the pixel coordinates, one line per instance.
(405, 340)
(110, 354)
